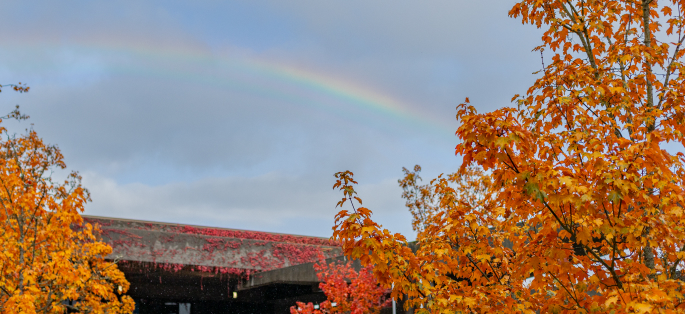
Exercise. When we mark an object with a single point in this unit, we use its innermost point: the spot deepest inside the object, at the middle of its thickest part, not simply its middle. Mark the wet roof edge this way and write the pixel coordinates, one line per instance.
(196, 226)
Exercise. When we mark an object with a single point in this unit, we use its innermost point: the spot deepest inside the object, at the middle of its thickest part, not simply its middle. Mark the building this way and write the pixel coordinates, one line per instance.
(185, 269)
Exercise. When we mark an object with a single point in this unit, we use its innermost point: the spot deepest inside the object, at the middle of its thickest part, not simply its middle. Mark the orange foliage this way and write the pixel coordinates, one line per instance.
(582, 209)
(351, 291)
(22, 88)
(50, 260)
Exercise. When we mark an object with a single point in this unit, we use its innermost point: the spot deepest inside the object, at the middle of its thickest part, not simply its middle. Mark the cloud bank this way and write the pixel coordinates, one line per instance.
(160, 105)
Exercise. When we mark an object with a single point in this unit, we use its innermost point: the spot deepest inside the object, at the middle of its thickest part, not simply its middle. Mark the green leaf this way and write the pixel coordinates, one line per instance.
(533, 190)
(615, 196)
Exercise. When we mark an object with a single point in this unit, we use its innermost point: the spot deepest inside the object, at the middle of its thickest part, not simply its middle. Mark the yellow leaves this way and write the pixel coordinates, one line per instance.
(611, 301)
(469, 301)
(440, 252)
(676, 211)
(586, 198)
(655, 294)
(505, 140)
(626, 58)
(502, 141)
(596, 154)
(483, 257)
(368, 230)
(568, 181)
(681, 255)
(50, 251)
(640, 307)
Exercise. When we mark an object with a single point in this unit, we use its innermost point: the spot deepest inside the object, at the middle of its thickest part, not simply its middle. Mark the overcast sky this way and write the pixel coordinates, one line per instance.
(238, 113)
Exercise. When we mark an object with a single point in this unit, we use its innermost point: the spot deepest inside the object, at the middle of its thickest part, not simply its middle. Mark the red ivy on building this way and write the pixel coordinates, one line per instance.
(347, 291)
(233, 252)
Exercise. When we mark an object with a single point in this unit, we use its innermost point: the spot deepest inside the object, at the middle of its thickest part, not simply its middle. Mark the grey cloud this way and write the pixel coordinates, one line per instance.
(160, 129)
(186, 150)
(67, 21)
(434, 53)
(427, 28)
(270, 202)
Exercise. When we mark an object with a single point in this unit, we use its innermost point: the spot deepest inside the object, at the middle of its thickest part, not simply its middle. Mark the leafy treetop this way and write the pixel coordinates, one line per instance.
(584, 206)
(50, 260)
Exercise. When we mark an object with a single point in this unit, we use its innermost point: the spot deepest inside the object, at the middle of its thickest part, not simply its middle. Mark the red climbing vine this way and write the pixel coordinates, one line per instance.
(170, 247)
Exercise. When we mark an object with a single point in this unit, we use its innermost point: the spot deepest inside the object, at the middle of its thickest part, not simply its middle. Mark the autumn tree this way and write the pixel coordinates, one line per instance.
(586, 175)
(424, 201)
(50, 260)
(346, 290)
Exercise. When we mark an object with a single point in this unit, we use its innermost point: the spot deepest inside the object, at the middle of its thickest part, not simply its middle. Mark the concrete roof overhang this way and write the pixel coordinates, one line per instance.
(208, 249)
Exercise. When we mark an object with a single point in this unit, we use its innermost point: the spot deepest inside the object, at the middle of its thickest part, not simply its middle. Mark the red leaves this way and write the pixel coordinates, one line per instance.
(351, 291)
(208, 249)
(253, 235)
(305, 308)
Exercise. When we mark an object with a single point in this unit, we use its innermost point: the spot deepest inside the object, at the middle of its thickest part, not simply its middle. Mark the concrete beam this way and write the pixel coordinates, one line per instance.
(303, 274)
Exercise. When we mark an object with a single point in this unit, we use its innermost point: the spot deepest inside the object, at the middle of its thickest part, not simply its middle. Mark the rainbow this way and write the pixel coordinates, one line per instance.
(351, 94)
(283, 82)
